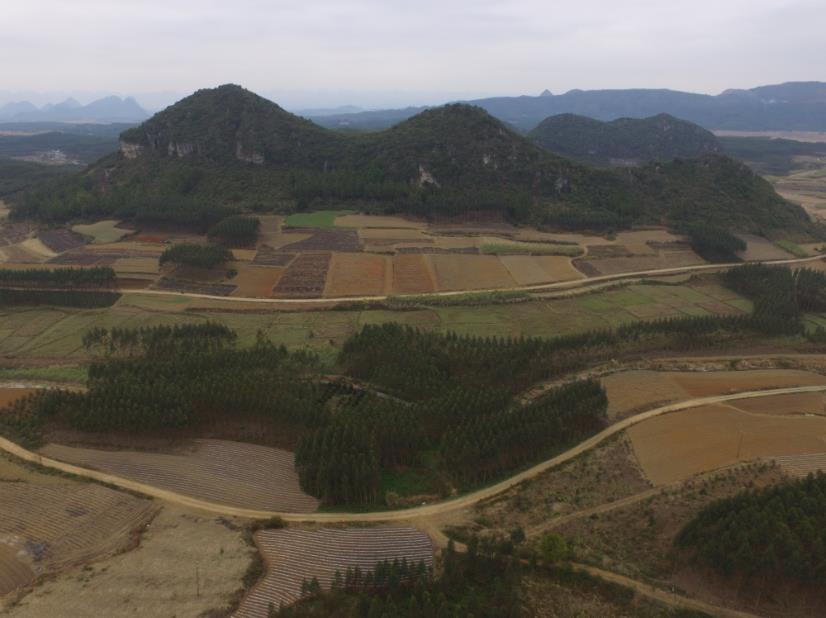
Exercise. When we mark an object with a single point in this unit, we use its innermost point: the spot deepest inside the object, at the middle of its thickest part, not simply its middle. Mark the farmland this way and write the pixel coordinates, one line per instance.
(294, 555)
(214, 470)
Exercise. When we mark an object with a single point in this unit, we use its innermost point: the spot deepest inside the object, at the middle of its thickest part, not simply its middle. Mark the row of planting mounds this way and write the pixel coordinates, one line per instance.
(305, 277)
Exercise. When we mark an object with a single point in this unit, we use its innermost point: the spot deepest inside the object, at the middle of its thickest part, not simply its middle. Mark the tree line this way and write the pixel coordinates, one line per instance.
(98, 276)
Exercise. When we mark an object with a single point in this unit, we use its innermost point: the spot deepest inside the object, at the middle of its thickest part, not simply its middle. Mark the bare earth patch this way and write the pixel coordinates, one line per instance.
(232, 473)
(470, 272)
(356, 274)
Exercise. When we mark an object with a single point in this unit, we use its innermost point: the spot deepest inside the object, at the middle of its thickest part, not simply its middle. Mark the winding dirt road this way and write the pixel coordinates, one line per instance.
(428, 510)
(595, 282)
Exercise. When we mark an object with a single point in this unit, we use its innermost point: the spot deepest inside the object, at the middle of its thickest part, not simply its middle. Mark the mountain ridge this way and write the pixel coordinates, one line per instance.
(104, 110)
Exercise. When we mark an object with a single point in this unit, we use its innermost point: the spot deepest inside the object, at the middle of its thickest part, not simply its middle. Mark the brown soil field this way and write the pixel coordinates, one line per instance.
(192, 287)
(186, 565)
(256, 281)
(676, 446)
(795, 404)
(702, 384)
(759, 248)
(389, 236)
(283, 239)
(137, 265)
(530, 270)
(244, 255)
(470, 272)
(10, 394)
(269, 230)
(327, 239)
(357, 274)
(61, 239)
(84, 258)
(11, 234)
(48, 528)
(377, 221)
(293, 555)
(305, 276)
(267, 256)
(665, 259)
(232, 473)
(412, 274)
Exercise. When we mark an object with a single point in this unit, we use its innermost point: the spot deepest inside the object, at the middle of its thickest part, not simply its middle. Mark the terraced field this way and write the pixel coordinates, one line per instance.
(232, 473)
(44, 529)
(293, 555)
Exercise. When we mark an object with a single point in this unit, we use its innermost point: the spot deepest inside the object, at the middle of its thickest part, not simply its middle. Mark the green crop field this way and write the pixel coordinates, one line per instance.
(56, 332)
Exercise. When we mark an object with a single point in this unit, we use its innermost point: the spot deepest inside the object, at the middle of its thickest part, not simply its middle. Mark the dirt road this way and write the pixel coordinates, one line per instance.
(427, 510)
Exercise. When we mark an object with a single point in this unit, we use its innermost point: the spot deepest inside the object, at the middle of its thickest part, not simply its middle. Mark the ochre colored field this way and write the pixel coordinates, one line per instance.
(396, 235)
(294, 555)
(137, 265)
(357, 274)
(44, 529)
(233, 473)
(412, 274)
(470, 272)
(676, 446)
(256, 281)
(531, 270)
(8, 394)
(105, 231)
(785, 405)
(630, 391)
(664, 259)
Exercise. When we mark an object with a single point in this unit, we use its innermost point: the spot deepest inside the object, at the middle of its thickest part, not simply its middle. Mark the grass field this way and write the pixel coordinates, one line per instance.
(57, 332)
(319, 218)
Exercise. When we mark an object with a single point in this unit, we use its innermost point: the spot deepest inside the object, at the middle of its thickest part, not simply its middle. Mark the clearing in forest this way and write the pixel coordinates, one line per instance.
(294, 555)
(232, 473)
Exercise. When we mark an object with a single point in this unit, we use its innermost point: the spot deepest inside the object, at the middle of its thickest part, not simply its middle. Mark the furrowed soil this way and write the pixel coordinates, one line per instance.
(357, 274)
(412, 274)
(47, 528)
(186, 566)
(470, 272)
(232, 473)
(293, 555)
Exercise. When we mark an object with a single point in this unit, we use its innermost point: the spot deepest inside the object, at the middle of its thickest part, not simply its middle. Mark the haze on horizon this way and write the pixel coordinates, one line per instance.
(376, 53)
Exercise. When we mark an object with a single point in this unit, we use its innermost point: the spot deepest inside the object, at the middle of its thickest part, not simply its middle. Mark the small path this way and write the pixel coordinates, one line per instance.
(671, 599)
(437, 508)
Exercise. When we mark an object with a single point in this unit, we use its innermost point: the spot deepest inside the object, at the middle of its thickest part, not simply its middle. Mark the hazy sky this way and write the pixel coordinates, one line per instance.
(388, 52)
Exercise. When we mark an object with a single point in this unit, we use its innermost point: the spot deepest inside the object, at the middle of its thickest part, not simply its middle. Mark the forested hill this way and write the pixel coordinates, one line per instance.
(625, 140)
(226, 149)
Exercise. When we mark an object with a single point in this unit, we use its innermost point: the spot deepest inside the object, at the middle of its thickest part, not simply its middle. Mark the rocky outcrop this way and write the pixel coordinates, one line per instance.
(130, 151)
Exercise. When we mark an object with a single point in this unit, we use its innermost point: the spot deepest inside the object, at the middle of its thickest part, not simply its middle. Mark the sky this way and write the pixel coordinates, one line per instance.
(391, 53)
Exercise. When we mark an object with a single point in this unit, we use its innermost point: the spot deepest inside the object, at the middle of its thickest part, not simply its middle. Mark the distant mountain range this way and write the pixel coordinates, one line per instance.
(625, 141)
(105, 110)
(799, 106)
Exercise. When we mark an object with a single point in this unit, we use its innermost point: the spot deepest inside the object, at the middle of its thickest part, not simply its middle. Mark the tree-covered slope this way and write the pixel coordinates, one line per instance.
(625, 140)
(226, 150)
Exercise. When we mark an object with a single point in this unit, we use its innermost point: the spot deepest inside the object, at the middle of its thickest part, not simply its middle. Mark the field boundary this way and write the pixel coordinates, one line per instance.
(447, 506)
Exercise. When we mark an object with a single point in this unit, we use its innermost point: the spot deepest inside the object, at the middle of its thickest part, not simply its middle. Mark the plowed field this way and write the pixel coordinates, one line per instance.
(530, 270)
(676, 446)
(46, 528)
(470, 272)
(357, 274)
(294, 555)
(233, 473)
(412, 274)
(256, 281)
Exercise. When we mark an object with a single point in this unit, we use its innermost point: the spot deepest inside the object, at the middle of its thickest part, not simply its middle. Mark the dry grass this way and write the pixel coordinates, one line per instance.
(186, 565)
(232, 473)
(664, 259)
(256, 281)
(357, 274)
(102, 231)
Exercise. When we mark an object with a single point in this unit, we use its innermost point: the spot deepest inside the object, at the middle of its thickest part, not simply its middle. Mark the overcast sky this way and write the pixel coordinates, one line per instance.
(313, 53)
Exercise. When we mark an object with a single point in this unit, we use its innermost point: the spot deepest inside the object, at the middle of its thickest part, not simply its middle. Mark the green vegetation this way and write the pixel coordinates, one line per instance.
(83, 148)
(319, 218)
(482, 582)
(16, 176)
(198, 256)
(237, 230)
(99, 276)
(57, 373)
(658, 138)
(714, 244)
(236, 151)
(58, 298)
(766, 155)
(792, 247)
(775, 533)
